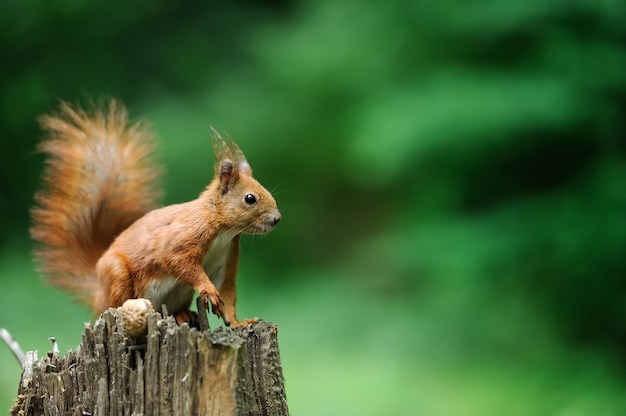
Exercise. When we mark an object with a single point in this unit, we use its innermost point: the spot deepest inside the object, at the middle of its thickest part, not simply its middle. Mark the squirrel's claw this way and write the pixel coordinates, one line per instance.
(215, 300)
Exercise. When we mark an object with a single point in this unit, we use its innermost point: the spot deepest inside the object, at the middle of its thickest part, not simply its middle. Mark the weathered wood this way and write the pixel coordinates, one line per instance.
(173, 370)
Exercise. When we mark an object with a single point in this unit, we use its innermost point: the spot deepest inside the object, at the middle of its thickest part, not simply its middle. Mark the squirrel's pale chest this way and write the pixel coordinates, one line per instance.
(216, 256)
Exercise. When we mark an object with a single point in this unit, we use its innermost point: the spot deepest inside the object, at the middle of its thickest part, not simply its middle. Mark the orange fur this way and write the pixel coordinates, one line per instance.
(100, 237)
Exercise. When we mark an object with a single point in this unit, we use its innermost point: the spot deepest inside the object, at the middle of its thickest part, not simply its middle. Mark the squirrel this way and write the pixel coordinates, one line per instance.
(102, 237)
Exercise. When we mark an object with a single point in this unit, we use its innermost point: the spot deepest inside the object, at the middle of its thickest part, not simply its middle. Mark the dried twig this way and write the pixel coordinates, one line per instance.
(13, 345)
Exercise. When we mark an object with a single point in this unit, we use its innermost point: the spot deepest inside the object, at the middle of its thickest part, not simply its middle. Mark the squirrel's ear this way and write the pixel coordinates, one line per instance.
(228, 175)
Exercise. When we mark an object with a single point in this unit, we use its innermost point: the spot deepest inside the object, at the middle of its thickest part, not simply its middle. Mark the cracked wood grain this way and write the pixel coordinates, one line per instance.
(173, 370)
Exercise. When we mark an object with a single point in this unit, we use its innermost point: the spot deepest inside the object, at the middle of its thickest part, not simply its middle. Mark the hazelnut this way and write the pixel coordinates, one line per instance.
(134, 314)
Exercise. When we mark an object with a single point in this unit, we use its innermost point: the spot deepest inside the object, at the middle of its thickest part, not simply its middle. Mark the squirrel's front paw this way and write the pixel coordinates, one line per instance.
(215, 299)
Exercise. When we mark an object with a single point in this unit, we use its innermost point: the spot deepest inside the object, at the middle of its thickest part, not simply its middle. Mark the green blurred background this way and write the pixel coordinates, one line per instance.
(452, 177)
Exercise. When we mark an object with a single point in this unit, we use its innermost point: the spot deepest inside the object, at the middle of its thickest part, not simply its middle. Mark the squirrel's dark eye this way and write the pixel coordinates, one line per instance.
(250, 199)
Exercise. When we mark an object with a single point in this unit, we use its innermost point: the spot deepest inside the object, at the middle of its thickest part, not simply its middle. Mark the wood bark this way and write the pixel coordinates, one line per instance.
(173, 370)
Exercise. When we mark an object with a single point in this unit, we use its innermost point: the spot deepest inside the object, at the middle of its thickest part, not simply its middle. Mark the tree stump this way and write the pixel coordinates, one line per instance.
(173, 370)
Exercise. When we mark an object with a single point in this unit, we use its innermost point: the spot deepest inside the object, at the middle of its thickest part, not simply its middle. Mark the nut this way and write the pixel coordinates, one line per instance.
(134, 314)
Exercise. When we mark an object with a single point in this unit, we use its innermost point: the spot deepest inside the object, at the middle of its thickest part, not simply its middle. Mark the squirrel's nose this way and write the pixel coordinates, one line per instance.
(277, 218)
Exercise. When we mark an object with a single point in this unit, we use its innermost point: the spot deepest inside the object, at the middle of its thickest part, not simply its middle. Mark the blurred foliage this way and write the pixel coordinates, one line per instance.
(452, 177)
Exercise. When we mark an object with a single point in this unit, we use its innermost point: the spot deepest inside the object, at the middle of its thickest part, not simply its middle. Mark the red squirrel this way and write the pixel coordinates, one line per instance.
(101, 236)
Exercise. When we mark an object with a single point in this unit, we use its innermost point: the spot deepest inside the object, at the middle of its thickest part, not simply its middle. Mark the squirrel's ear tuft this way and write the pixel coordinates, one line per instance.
(244, 168)
(226, 148)
(228, 175)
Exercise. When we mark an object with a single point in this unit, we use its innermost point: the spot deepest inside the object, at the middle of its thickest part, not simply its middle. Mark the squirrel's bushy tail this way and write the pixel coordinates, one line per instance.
(99, 178)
